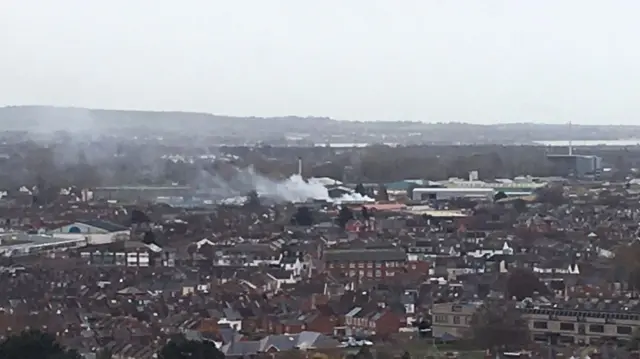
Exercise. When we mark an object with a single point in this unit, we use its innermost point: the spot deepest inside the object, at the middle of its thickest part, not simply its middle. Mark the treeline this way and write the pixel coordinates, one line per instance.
(126, 164)
(41, 345)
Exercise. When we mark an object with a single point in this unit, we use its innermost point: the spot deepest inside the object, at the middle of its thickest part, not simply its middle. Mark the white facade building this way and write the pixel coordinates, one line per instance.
(425, 194)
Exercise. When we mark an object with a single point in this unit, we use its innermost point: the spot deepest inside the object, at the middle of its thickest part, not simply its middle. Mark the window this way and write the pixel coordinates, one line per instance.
(352, 265)
(378, 273)
(390, 274)
(567, 326)
(378, 264)
(370, 265)
(456, 319)
(625, 330)
(566, 339)
(540, 325)
(361, 265)
(441, 319)
(596, 328)
(540, 338)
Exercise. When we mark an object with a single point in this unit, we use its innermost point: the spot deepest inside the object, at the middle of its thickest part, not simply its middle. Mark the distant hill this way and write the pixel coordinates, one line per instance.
(318, 129)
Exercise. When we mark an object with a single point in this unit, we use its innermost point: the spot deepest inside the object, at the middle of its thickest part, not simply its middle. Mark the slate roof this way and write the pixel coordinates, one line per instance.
(281, 342)
(366, 255)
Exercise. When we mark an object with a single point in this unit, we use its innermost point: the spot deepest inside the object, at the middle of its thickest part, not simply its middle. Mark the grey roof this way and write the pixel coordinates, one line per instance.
(231, 314)
(131, 290)
(282, 342)
(105, 225)
(365, 255)
(20, 242)
(241, 348)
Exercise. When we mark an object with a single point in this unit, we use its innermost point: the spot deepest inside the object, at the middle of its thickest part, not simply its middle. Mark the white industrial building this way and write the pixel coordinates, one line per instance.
(21, 244)
(93, 232)
(443, 194)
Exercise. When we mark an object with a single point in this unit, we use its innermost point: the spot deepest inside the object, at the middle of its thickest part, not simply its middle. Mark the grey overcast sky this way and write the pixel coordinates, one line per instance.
(480, 61)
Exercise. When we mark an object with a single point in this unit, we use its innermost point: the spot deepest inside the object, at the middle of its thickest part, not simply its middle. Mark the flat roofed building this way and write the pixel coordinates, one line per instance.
(443, 194)
(21, 244)
(139, 193)
(575, 165)
(568, 326)
(452, 320)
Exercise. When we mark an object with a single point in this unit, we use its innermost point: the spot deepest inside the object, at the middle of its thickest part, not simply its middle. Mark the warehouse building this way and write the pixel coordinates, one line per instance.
(444, 194)
(139, 193)
(575, 165)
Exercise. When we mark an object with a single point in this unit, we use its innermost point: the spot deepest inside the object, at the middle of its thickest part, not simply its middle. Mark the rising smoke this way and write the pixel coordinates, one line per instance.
(292, 189)
(70, 144)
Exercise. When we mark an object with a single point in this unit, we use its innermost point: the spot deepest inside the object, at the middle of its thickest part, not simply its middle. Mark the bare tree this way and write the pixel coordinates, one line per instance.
(498, 325)
(522, 283)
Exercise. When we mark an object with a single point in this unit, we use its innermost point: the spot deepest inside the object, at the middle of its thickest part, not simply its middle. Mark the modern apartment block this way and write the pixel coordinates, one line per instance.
(566, 326)
(451, 320)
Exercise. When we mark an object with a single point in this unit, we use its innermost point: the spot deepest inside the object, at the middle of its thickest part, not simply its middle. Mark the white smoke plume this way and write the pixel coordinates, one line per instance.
(292, 189)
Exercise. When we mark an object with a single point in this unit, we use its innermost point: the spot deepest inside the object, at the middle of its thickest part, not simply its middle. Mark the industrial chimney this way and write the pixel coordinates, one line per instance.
(300, 166)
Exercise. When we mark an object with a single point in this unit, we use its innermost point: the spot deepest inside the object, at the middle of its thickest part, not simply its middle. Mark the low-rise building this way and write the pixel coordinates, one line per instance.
(443, 194)
(568, 326)
(363, 263)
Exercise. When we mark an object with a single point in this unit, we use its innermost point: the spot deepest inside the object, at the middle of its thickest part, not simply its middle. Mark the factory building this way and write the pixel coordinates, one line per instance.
(139, 193)
(443, 194)
(575, 165)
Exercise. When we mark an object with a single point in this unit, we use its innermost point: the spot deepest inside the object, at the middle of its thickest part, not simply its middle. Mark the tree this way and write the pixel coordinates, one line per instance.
(383, 354)
(552, 195)
(364, 353)
(634, 343)
(498, 325)
(365, 213)
(303, 217)
(360, 189)
(610, 199)
(104, 354)
(252, 199)
(627, 265)
(181, 348)
(406, 355)
(149, 237)
(138, 216)
(520, 205)
(498, 196)
(34, 344)
(522, 283)
(344, 216)
(382, 194)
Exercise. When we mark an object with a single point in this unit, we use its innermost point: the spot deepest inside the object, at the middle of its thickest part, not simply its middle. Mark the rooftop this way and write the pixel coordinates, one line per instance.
(106, 225)
(22, 240)
(454, 189)
(142, 188)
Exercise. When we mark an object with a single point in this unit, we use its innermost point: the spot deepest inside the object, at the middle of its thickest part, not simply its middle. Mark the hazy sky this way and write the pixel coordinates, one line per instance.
(476, 61)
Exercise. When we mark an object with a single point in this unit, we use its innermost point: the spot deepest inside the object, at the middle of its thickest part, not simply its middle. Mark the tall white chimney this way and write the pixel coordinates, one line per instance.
(300, 166)
(570, 139)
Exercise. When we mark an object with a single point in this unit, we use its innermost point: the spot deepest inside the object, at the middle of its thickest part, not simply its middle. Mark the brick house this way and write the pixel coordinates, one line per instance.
(378, 321)
(366, 263)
